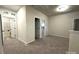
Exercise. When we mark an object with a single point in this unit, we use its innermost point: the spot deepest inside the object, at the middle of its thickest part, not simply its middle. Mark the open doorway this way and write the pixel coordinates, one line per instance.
(8, 28)
(37, 28)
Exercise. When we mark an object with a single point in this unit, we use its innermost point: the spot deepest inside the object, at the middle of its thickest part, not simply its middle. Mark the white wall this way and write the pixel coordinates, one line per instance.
(61, 24)
(31, 14)
(26, 23)
(74, 42)
(21, 22)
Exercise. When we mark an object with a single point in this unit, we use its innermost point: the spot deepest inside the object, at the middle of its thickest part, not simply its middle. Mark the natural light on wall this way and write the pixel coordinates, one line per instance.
(62, 8)
(42, 24)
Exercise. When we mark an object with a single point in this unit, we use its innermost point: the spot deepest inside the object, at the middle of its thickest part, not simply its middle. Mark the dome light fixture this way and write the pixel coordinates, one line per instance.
(62, 8)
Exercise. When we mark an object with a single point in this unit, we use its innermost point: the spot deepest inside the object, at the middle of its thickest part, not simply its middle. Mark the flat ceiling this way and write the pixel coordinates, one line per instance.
(14, 8)
(50, 10)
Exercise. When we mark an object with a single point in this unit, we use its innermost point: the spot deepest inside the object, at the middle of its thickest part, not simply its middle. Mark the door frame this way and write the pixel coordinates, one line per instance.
(1, 30)
(39, 29)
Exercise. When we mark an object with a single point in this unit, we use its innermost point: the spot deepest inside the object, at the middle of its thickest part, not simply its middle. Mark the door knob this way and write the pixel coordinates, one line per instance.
(8, 30)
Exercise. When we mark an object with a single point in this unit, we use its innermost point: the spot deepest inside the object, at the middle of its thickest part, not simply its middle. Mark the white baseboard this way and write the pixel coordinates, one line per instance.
(25, 43)
(71, 52)
(58, 36)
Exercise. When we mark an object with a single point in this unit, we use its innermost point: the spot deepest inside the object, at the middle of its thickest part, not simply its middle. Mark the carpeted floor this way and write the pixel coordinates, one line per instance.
(48, 45)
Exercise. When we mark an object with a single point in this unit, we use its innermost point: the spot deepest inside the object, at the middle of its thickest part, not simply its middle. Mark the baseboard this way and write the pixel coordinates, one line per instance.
(58, 36)
(30, 41)
(22, 41)
(25, 43)
(70, 52)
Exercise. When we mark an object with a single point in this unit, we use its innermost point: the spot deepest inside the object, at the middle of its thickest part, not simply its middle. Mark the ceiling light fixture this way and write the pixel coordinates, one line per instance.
(62, 8)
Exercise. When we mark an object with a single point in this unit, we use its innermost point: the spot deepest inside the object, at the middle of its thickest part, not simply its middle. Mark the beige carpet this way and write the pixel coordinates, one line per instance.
(48, 45)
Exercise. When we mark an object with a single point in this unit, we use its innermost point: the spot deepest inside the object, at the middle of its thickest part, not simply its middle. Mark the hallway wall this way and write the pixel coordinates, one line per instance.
(21, 24)
(61, 24)
(31, 14)
(26, 23)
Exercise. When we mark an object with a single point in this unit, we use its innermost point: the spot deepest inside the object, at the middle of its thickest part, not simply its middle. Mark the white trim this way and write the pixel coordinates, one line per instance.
(25, 43)
(71, 52)
(58, 36)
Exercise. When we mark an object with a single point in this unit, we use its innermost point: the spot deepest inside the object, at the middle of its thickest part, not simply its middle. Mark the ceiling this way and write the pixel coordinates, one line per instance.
(14, 8)
(50, 10)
